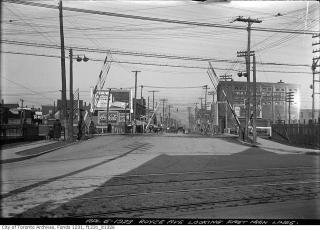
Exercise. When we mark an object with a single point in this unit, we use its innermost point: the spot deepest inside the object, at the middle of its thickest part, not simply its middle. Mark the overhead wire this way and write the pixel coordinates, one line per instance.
(152, 64)
(162, 20)
(23, 86)
(142, 54)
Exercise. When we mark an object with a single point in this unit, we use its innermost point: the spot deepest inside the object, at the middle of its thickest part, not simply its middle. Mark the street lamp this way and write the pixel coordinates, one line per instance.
(79, 59)
(85, 59)
(241, 74)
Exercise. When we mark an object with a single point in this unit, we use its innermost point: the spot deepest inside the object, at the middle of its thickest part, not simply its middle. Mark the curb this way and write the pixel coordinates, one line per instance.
(312, 153)
(17, 159)
(247, 143)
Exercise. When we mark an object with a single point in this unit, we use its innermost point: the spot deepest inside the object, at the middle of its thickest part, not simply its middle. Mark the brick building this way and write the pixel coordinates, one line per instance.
(271, 102)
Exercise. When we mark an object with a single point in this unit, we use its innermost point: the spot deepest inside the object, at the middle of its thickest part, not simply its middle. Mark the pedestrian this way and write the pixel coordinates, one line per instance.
(50, 133)
(24, 129)
(57, 129)
(91, 127)
(80, 129)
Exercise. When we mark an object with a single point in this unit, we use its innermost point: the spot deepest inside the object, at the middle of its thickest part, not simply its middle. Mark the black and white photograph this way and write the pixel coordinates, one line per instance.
(160, 112)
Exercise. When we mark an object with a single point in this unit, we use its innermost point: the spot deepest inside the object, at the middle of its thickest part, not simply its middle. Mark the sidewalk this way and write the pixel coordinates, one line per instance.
(30, 150)
(284, 149)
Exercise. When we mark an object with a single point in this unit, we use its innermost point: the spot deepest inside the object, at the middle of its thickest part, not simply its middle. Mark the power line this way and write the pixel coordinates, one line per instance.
(155, 64)
(141, 54)
(163, 20)
(172, 87)
(35, 92)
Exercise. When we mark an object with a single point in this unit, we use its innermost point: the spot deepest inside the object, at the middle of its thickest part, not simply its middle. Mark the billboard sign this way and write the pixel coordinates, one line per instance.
(102, 99)
(122, 117)
(104, 118)
(113, 116)
(118, 99)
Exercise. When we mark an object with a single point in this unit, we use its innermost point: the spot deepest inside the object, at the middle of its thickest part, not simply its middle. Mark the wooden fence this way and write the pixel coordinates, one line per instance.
(304, 135)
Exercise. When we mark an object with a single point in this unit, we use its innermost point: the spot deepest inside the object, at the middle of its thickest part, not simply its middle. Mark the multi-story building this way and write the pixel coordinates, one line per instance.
(271, 102)
(306, 115)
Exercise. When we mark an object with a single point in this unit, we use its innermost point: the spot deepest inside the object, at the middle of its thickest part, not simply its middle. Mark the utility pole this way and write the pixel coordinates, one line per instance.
(205, 96)
(201, 112)
(249, 21)
(153, 91)
(201, 102)
(254, 123)
(169, 116)
(141, 91)
(79, 111)
(212, 105)
(148, 110)
(314, 66)
(135, 99)
(289, 99)
(63, 72)
(189, 117)
(21, 102)
(71, 96)
(254, 92)
(163, 116)
(22, 112)
(108, 107)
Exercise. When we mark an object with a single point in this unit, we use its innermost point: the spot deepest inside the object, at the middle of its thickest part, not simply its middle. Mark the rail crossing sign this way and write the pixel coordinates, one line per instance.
(237, 110)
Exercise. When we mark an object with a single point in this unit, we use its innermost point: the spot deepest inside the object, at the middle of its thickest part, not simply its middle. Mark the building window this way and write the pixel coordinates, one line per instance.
(277, 89)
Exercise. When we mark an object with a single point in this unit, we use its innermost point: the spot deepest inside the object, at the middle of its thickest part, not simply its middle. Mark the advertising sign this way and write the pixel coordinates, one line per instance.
(118, 99)
(103, 120)
(113, 116)
(102, 99)
(122, 117)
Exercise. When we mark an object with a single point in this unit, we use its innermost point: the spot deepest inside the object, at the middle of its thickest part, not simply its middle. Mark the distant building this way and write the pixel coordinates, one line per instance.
(48, 109)
(75, 104)
(306, 115)
(10, 105)
(270, 101)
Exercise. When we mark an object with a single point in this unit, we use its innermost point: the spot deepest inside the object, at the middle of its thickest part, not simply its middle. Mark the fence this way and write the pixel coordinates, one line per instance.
(306, 135)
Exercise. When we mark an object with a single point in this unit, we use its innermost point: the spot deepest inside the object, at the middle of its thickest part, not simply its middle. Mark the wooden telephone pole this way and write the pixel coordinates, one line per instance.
(249, 22)
(63, 73)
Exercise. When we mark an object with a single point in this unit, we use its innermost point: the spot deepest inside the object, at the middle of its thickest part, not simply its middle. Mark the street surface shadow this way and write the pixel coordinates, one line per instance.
(166, 186)
(256, 151)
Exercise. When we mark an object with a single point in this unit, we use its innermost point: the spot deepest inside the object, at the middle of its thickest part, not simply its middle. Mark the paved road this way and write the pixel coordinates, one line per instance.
(164, 176)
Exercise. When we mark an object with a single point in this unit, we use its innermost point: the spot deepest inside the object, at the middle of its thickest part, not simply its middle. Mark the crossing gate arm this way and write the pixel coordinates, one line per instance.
(150, 119)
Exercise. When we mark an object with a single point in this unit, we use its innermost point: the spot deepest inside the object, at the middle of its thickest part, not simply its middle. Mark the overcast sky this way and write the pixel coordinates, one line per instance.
(37, 79)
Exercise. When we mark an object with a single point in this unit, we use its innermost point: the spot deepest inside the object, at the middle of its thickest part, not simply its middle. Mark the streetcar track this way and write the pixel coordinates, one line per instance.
(47, 181)
(198, 189)
(196, 205)
(191, 190)
(232, 189)
(164, 174)
(182, 181)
